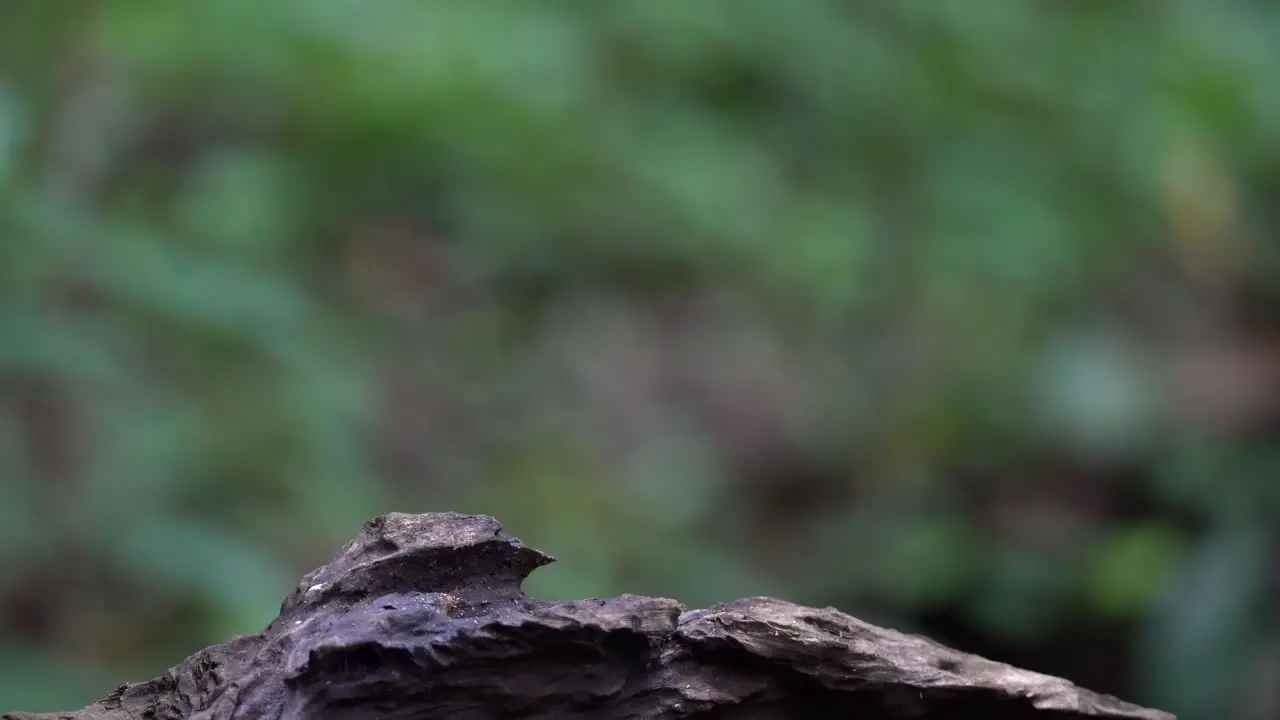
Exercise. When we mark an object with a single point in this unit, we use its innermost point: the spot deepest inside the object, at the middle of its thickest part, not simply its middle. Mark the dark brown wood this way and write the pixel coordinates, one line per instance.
(422, 616)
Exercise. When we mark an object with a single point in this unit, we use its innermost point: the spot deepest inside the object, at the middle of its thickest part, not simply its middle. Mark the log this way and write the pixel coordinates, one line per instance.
(422, 616)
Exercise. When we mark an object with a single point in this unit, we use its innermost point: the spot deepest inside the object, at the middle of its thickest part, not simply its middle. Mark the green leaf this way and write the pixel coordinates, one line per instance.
(1199, 638)
(36, 680)
(1129, 567)
(12, 132)
(190, 559)
(930, 561)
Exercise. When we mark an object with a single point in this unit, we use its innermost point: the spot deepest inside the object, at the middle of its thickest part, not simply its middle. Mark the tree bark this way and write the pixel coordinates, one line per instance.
(421, 616)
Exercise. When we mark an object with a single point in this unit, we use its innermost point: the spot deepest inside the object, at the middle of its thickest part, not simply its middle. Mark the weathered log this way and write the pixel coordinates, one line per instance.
(421, 616)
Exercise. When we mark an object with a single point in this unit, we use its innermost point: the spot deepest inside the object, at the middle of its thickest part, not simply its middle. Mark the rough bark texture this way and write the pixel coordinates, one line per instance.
(422, 616)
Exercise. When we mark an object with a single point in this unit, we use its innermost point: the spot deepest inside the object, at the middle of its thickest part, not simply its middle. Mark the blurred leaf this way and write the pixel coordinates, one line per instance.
(36, 342)
(22, 547)
(201, 289)
(930, 562)
(235, 579)
(1220, 478)
(698, 573)
(1019, 596)
(243, 200)
(1093, 389)
(1199, 638)
(151, 449)
(677, 480)
(11, 132)
(35, 680)
(1130, 566)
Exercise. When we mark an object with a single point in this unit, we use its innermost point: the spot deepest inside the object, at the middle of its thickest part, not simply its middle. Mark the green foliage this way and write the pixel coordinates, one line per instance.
(906, 307)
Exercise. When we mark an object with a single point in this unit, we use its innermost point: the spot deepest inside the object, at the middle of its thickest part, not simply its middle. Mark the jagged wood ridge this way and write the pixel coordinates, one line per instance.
(422, 616)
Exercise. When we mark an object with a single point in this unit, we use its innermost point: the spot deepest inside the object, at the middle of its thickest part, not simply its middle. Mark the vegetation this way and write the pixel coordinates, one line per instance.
(960, 316)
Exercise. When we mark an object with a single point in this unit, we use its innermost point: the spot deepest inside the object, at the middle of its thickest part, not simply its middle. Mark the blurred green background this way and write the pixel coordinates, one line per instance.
(962, 317)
